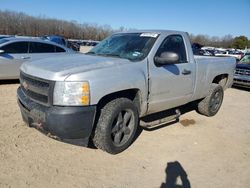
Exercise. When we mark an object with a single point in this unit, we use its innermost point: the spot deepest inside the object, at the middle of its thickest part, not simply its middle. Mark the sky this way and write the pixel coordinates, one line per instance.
(210, 17)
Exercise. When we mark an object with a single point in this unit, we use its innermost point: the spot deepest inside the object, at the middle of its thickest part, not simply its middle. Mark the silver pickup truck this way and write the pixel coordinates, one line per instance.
(105, 94)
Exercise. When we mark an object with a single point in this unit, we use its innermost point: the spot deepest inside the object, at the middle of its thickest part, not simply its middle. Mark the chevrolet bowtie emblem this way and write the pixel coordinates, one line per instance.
(25, 85)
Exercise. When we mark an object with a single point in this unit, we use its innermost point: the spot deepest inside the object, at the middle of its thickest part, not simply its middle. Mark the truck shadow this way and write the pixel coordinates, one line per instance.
(159, 115)
(174, 170)
(183, 109)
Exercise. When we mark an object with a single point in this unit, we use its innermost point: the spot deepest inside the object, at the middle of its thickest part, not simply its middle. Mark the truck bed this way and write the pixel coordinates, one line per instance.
(208, 67)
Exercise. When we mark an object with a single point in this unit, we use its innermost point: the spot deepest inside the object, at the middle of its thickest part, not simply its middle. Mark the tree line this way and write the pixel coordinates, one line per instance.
(18, 23)
(227, 41)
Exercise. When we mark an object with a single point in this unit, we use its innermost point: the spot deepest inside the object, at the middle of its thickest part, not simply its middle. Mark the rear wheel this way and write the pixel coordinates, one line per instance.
(116, 126)
(211, 104)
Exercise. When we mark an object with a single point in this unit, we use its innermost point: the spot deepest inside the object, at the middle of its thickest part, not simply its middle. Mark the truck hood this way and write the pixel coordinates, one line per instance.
(58, 68)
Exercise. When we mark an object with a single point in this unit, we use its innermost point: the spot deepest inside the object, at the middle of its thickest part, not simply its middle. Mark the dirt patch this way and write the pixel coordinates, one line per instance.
(187, 122)
(214, 154)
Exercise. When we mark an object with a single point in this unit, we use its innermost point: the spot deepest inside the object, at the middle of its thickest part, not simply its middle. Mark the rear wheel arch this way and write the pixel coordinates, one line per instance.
(221, 80)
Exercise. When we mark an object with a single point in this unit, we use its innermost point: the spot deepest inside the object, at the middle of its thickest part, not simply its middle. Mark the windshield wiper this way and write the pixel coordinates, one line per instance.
(110, 55)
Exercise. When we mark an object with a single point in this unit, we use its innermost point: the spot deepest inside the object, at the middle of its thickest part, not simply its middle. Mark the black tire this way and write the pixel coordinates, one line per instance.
(211, 104)
(117, 125)
(223, 82)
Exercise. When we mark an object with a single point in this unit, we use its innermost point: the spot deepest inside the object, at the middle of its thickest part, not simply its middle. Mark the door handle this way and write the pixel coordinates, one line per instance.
(25, 57)
(186, 72)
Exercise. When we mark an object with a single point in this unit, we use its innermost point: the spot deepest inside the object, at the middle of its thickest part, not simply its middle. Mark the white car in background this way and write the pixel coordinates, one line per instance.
(236, 54)
(14, 51)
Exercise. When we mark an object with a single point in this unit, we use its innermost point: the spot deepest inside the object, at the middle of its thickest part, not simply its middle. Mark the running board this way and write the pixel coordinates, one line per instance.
(152, 120)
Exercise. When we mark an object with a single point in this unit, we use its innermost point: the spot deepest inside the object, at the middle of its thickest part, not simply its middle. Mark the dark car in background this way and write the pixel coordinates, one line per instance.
(197, 50)
(242, 73)
(73, 45)
(62, 41)
(54, 38)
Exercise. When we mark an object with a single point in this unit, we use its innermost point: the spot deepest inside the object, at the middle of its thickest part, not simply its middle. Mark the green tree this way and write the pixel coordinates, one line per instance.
(240, 42)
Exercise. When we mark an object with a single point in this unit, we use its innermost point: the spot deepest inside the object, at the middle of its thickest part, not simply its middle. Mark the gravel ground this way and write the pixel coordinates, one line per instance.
(197, 151)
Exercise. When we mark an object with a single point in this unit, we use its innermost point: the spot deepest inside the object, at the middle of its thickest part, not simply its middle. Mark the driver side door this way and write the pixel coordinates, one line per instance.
(171, 85)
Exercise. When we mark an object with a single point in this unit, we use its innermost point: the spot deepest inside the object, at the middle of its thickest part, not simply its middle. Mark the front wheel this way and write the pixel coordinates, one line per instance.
(117, 125)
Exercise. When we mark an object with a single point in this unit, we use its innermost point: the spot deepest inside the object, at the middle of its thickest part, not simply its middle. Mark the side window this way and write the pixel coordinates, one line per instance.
(174, 43)
(58, 49)
(38, 47)
(16, 48)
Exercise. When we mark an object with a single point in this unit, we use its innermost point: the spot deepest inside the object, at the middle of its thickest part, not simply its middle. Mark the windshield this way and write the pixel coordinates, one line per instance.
(245, 60)
(132, 46)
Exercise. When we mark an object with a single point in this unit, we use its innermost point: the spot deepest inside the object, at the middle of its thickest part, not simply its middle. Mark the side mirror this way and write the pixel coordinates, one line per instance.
(166, 58)
(2, 52)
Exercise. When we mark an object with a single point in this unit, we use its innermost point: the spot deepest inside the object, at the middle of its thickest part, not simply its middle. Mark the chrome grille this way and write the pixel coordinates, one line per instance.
(36, 88)
(241, 81)
(242, 71)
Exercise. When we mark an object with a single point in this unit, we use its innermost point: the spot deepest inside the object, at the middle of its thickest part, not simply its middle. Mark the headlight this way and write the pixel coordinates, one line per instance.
(71, 94)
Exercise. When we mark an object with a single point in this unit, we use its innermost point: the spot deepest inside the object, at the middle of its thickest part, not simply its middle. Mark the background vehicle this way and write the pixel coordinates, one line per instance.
(54, 38)
(197, 50)
(229, 53)
(89, 43)
(122, 80)
(62, 41)
(73, 45)
(5, 36)
(242, 72)
(15, 51)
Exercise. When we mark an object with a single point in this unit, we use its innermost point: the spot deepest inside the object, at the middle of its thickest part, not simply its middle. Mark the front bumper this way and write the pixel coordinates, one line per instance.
(242, 80)
(69, 124)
